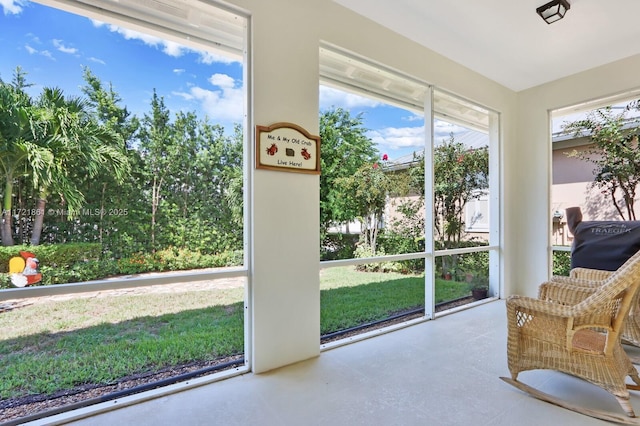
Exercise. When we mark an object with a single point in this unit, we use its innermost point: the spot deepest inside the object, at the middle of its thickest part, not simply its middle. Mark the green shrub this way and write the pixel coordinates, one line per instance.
(228, 258)
(179, 259)
(84, 268)
(338, 246)
(136, 264)
(365, 250)
(53, 255)
(477, 262)
(561, 263)
(396, 243)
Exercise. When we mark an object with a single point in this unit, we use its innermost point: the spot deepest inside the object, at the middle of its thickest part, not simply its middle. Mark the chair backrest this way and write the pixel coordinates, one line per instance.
(614, 297)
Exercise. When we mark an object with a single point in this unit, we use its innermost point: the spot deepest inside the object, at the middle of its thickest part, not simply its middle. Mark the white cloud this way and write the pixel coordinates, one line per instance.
(97, 60)
(413, 117)
(330, 97)
(33, 51)
(12, 7)
(184, 95)
(170, 48)
(34, 38)
(222, 80)
(395, 141)
(397, 138)
(178, 70)
(58, 44)
(209, 58)
(224, 104)
(442, 130)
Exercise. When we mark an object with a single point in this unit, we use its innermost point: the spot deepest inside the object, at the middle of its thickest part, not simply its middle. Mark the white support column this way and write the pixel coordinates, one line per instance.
(285, 213)
(495, 207)
(429, 261)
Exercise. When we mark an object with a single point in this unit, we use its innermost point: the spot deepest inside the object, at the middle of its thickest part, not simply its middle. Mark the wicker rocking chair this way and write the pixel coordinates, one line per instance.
(575, 327)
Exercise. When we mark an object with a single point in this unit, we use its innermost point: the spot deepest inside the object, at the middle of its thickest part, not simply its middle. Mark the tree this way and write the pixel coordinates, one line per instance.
(460, 175)
(108, 112)
(368, 187)
(156, 147)
(345, 150)
(19, 80)
(20, 135)
(73, 142)
(47, 144)
(103, 192)
(70, 154)
(614, 153)
(234, 182)
(198, 210)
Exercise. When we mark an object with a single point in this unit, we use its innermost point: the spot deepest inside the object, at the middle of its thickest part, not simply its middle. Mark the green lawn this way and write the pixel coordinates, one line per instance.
(58, 345)
(349, 298)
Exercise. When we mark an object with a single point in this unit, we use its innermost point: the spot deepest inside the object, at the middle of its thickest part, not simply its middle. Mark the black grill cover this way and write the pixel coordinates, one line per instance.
(601, 244)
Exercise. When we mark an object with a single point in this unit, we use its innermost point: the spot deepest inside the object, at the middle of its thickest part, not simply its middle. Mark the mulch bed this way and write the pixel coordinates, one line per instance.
(14, 409)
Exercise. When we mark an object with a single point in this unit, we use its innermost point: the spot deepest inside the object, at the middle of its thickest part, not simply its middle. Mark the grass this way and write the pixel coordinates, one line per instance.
(349, 298)
(59, 345)
(63, 344)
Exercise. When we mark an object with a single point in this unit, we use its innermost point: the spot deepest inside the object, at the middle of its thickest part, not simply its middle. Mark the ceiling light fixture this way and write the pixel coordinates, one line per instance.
(553, 11)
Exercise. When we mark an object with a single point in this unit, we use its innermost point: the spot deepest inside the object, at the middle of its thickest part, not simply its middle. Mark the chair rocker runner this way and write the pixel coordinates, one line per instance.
(577, 330)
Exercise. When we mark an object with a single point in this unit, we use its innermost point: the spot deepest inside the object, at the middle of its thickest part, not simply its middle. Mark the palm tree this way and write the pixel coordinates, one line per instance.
(76, 144)
(19, 134)
(51, 140)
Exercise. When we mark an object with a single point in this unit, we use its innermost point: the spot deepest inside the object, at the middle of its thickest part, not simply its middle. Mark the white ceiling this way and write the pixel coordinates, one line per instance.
(506, 41)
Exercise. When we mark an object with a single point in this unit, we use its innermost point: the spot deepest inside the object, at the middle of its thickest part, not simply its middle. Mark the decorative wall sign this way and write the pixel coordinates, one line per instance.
(287, 147)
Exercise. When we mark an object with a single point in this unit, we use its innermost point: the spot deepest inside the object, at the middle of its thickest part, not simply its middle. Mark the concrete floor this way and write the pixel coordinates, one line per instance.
(441, 372)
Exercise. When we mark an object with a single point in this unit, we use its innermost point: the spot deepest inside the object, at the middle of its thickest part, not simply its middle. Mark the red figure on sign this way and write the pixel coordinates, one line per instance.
(272, 149)
(305, 154)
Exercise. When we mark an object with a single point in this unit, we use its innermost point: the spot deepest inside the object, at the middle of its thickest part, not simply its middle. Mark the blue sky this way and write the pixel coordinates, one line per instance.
(53, 46)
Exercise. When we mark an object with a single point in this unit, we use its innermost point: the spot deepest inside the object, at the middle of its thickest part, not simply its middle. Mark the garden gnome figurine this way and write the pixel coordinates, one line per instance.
(23, 269)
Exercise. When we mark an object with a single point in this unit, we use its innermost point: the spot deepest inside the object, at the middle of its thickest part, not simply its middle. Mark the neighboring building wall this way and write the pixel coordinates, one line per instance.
(476, 215)
(572, 187)
(391, 213)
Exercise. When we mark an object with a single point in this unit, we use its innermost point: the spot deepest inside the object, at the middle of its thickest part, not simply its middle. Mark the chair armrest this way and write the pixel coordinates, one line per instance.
(590, 274)
(578, 282)
(537, 318)
(566, 293)
(552, 321)
(546, 307)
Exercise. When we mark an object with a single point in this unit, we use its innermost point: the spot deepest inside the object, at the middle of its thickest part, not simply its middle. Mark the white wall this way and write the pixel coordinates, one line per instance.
(529, 208)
